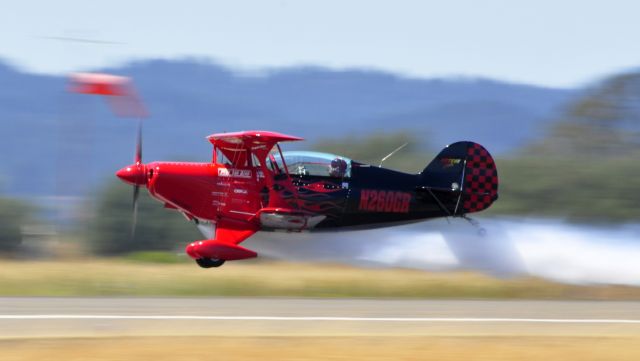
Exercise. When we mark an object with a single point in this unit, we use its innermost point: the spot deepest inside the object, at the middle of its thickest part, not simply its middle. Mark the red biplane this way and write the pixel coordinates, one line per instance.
(252, 185)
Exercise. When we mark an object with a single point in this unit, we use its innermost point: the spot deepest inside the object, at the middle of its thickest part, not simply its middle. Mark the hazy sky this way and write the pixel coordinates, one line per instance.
(548, 42)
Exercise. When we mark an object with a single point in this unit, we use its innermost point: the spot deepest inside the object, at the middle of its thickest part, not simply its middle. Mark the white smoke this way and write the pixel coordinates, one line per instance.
(550, 249)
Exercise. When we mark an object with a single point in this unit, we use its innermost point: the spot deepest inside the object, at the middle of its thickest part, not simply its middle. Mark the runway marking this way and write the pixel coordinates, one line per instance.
(316, 318)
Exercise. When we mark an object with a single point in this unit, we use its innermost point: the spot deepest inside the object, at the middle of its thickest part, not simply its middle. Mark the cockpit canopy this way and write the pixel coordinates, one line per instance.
(302, 163)
(249, 149)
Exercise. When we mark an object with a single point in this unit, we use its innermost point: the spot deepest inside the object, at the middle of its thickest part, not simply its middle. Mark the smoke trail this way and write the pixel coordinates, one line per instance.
(580, 254)
(549, 249)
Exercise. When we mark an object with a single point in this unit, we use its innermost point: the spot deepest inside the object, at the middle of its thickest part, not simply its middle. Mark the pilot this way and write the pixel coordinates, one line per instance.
(338, 168)
(301, 170)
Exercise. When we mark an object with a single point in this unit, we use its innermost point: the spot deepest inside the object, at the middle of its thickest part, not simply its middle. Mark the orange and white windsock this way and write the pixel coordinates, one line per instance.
(118, 90)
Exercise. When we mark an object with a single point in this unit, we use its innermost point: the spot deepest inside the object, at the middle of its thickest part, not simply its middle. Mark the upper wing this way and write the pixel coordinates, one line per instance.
(236, 146)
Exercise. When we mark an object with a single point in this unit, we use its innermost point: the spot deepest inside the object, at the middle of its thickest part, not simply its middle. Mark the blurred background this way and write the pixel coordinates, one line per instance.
(551, 90)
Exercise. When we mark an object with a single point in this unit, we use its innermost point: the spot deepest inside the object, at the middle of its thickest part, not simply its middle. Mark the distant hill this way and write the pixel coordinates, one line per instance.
(58, 143)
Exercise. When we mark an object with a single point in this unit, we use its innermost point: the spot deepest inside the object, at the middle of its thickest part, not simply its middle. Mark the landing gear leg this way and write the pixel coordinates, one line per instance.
(209, 262)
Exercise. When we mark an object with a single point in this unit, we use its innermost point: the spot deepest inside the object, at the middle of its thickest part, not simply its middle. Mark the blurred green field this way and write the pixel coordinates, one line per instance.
(161, 275)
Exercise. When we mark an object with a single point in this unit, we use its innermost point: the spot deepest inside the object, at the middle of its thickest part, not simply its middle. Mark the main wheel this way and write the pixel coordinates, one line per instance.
(209, 262)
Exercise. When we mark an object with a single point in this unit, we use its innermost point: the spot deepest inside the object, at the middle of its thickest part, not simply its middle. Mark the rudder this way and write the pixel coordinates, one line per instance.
(465, 168)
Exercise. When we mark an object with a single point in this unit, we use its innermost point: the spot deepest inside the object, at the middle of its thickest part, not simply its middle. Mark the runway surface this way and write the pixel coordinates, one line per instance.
(22, 318)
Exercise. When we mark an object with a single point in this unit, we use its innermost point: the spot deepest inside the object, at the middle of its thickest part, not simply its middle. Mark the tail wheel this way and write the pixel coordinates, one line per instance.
(209, 262)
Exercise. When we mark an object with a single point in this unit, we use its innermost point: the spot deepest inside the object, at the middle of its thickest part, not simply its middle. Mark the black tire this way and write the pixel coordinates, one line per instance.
(209, 263)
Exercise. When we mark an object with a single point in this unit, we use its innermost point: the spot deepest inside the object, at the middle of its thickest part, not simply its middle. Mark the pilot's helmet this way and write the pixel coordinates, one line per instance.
(338, 167)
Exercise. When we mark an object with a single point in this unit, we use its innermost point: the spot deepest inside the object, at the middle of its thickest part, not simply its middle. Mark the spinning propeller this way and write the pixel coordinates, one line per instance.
(136, 175)
(136, 188)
